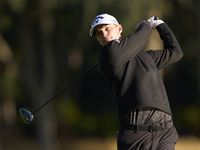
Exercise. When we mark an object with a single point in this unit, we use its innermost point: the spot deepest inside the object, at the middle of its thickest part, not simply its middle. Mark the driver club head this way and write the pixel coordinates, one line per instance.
(26, 115)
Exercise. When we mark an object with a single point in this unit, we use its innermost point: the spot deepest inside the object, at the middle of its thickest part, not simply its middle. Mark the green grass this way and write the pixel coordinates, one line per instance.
(184, 143)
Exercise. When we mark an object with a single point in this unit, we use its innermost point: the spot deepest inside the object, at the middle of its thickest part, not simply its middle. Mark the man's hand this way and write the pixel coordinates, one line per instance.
(154, 23)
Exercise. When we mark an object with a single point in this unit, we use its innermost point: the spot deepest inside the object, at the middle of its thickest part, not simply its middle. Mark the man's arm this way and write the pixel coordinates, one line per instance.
(172, 51)
(117, 54)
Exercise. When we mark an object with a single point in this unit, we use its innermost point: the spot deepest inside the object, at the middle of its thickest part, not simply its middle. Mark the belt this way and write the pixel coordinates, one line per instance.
(150, 128)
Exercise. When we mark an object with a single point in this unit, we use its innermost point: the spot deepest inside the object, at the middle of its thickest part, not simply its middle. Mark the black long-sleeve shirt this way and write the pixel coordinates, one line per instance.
(134, 73)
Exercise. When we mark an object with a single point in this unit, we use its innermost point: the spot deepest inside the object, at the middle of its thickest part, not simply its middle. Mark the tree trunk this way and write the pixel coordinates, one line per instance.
(39, 78)
(8, 77)
(196, 4)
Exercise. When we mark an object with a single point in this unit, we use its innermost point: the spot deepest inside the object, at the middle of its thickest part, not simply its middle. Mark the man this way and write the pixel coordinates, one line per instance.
(144, 113)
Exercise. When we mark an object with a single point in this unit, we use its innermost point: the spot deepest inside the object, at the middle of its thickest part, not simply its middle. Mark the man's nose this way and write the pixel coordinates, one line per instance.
(105, 33)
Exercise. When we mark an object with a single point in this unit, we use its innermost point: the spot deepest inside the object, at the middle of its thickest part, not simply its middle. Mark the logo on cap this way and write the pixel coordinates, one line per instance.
(96, 20)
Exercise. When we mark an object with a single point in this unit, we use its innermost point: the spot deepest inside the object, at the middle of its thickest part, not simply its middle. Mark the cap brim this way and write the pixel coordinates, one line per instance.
(92, 31)
(93, 28)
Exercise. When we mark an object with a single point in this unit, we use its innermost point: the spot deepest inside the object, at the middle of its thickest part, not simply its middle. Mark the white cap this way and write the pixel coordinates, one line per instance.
(102, 19)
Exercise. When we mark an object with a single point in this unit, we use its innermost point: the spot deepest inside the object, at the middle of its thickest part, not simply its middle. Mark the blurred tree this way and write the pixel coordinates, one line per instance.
(196, 5)
(34, 24)
(8, 77)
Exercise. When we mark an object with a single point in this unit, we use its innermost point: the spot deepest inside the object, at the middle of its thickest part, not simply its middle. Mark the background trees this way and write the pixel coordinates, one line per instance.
(45, 44)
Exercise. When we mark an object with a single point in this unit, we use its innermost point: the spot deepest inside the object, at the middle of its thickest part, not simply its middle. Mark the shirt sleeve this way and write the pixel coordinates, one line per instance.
(117, 53)
(172, 51)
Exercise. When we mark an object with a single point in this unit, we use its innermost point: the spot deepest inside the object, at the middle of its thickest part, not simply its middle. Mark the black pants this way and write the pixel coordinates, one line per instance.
(144, 140)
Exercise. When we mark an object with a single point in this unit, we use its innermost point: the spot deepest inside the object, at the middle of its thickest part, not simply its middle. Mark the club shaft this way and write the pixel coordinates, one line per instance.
(65, 88)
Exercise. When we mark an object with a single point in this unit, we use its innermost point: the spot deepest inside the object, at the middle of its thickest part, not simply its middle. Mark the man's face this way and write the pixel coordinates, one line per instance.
(107, 32)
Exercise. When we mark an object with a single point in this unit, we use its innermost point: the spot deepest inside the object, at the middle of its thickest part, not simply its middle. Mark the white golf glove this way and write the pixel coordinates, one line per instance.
(155, 22)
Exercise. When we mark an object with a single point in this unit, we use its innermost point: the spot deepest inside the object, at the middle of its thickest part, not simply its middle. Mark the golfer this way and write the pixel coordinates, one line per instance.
(144, 114)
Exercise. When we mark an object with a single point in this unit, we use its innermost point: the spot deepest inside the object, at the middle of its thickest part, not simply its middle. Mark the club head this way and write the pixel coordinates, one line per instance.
(26, 115)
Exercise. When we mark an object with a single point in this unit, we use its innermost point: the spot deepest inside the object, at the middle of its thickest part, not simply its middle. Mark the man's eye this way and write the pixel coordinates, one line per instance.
(98, 32)
(107, 28)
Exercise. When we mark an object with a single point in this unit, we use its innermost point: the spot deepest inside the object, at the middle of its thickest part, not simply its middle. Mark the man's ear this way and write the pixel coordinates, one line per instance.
(120, 28)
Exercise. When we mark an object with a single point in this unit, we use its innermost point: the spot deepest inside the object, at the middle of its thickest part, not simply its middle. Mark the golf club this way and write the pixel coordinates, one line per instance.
(28, 116)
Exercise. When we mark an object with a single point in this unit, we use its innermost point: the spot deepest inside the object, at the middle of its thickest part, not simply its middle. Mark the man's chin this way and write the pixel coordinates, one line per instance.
(104, 43)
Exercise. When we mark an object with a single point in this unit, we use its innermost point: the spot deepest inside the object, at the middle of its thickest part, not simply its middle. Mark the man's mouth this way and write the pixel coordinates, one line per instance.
(107, 40)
